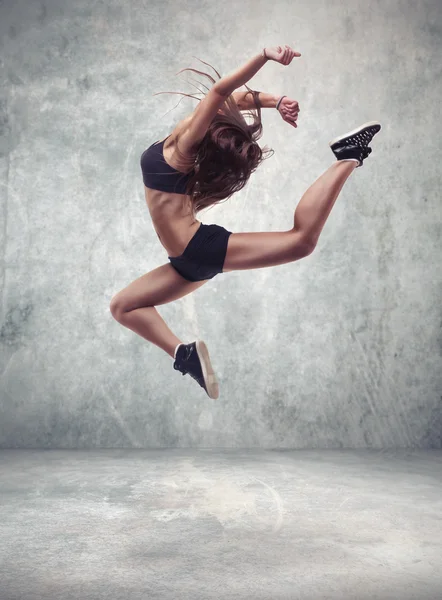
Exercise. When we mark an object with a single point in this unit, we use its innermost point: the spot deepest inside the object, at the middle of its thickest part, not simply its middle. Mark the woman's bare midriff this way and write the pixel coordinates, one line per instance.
(172, 214)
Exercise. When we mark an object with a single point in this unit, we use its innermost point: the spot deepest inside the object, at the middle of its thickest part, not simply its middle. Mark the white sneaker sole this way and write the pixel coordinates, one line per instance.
(354, 132)
(208, 373)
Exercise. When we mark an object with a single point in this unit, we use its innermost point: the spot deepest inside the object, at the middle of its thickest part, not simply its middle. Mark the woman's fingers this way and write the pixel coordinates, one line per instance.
(289, 111)
(290, 119)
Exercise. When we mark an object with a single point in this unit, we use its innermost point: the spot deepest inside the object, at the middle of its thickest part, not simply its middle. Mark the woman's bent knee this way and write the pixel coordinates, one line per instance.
(114, 307)
(302, 246)
(309, 249)
(118, 307)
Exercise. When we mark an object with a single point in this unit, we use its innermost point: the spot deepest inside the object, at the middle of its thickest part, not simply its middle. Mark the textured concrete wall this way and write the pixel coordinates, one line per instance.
(341, 349)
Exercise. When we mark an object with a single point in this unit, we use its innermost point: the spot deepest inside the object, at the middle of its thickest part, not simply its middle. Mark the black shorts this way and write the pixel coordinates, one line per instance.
(204, 255)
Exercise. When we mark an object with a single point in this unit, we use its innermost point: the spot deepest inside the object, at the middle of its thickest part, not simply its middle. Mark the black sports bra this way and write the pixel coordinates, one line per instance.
(159, 175)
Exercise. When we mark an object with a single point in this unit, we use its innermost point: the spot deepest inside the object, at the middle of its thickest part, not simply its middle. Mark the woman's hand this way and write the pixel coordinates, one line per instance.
(281, 54)
(289, 110)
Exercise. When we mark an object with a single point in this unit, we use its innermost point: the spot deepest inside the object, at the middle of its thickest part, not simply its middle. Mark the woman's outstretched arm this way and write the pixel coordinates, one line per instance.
(245, 101)
(228, 84)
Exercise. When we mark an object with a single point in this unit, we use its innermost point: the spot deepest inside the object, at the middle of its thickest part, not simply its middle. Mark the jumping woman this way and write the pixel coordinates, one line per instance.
(209, 156)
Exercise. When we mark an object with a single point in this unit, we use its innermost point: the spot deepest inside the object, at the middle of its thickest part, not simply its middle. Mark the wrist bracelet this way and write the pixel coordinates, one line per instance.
(279, 102)
(264, 53)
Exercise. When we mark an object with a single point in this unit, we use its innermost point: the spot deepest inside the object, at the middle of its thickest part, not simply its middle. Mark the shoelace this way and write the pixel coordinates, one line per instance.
(363, 138)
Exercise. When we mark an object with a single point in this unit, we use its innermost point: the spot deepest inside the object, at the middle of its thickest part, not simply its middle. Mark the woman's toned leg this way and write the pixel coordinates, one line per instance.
(315, 206)
(134, 307)
(268, 249)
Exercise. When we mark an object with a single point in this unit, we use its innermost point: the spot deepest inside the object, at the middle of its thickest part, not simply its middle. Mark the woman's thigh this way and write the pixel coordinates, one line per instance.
(160, 286)
(265, 249)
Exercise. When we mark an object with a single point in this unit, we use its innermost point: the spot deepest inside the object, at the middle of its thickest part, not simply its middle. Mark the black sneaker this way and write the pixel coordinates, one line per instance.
(354, 144)
(194, 359)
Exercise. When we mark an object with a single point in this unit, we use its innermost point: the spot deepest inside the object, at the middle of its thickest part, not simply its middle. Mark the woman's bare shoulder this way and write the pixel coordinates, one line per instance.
(173, 140)
(180, 128)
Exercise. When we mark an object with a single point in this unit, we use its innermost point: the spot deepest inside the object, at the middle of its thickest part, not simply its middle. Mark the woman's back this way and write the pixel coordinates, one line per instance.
(171, 210)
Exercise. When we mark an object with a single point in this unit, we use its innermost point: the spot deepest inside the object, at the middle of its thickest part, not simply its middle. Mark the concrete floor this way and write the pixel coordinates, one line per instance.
(203, 524)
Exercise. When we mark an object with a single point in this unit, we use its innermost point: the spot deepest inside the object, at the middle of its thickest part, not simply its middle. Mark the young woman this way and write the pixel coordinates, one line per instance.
(209, 156)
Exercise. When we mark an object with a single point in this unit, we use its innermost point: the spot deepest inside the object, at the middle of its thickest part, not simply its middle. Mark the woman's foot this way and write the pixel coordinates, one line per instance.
(354, 144)
(194, 359)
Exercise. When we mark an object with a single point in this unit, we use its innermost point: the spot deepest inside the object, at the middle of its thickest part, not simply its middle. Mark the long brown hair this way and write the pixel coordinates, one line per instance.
(227, 155)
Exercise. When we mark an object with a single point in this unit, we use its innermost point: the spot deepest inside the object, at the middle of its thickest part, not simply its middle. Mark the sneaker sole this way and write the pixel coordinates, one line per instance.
(208, 373)
(360, 129)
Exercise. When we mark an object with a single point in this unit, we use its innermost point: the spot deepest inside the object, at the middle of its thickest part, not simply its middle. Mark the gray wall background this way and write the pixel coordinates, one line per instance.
(341, 349)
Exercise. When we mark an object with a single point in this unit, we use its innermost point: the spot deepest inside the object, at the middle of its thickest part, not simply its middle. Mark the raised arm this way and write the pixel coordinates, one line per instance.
(213, 101)
(245, 100)
(228, 84)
